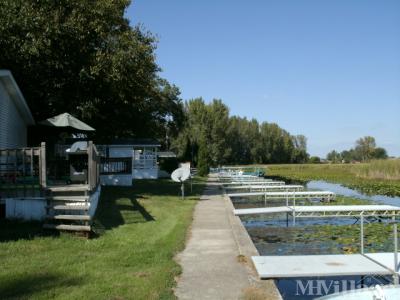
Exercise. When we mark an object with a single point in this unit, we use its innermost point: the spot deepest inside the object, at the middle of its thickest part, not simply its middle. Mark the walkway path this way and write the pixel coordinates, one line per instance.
(210, 261)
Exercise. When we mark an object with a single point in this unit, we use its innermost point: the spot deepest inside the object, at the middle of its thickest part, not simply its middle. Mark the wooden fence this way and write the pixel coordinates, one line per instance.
(23, 172)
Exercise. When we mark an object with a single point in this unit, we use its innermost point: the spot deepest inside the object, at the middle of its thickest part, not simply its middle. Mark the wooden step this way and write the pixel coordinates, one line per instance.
(69, 198)
(69, 207)
(69, 188)
(70, 217)
(67, 227)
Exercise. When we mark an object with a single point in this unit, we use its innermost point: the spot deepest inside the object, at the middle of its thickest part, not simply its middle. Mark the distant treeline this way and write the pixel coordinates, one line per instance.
(365, 149)
(211, 137)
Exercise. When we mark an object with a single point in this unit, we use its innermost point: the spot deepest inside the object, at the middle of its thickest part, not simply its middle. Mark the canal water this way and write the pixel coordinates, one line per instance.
(348, 192)
(276, 235)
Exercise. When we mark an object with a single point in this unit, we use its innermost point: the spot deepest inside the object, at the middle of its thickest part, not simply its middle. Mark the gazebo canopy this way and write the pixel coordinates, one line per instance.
(67, 120)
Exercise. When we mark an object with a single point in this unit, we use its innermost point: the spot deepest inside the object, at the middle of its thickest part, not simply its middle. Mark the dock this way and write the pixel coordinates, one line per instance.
(300, 266)
(321, 211)
(291, 266)
(325, 195)
(262, 187)
(243, 183)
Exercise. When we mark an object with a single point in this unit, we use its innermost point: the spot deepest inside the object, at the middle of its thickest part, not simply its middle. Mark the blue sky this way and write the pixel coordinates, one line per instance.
(327, 69)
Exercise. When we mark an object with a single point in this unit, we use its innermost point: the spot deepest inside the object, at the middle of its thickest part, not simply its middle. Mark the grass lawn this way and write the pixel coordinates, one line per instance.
(139, 230)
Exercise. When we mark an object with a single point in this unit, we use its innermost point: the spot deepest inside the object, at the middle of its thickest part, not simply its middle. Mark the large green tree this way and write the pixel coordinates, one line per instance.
(211, 137)
(365, 149)
(83, 57)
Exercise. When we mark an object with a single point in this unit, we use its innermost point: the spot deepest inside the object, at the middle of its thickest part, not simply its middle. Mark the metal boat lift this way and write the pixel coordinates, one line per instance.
(243, 178)
(325, 195)
(330, 265)
(265, 188)
(254, 183)
(323, 211)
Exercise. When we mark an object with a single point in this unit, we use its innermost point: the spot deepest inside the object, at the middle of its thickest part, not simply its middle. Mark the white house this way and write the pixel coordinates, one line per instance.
(129, 159)
(15, 115)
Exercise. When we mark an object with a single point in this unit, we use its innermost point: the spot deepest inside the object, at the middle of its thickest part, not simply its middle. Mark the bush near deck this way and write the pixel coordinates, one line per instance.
(377, 177)
(139, 228)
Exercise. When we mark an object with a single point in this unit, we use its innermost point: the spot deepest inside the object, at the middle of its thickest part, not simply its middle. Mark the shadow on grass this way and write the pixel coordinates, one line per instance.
(13, 230)
(27, 285)
(119, 206)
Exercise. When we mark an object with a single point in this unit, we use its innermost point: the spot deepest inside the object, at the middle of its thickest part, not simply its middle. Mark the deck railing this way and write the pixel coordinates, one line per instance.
(23, 172)
(116, 165)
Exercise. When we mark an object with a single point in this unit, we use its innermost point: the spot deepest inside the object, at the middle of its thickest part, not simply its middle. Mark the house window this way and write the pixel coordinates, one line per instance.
(145, 158)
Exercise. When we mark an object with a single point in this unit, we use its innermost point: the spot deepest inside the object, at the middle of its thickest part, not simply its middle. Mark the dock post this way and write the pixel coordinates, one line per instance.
(396, 258)
(265, 199)
(362, 233)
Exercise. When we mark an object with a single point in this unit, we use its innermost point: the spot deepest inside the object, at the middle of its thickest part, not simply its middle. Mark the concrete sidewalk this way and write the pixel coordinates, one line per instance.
(210, 261)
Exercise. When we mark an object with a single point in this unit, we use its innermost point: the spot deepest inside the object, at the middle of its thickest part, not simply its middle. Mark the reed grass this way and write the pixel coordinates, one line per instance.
(380, 169)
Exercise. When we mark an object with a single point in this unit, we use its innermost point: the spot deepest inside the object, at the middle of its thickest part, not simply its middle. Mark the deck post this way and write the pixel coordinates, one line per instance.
(362, 232)
(23, 171)
(294, 217)
(90, 165)
(396, 258)
(42, 165)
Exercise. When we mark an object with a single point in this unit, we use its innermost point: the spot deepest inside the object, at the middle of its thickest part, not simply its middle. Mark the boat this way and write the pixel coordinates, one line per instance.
(378, 292)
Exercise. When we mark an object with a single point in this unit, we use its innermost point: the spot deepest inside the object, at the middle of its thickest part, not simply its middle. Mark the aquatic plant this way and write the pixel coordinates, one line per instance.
(369, 178)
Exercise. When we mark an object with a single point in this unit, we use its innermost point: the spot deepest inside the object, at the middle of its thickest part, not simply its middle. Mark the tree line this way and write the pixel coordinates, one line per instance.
(210, 137)
(365, 149)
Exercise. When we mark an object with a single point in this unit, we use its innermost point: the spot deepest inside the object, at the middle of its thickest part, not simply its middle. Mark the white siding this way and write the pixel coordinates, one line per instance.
(120, 151)
(145, 174)
(12, 126)
(25, 209)
(116, 179)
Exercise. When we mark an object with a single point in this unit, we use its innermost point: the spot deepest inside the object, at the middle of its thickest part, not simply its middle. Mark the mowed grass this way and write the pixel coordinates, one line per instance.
(363, 177)
(139, 230)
